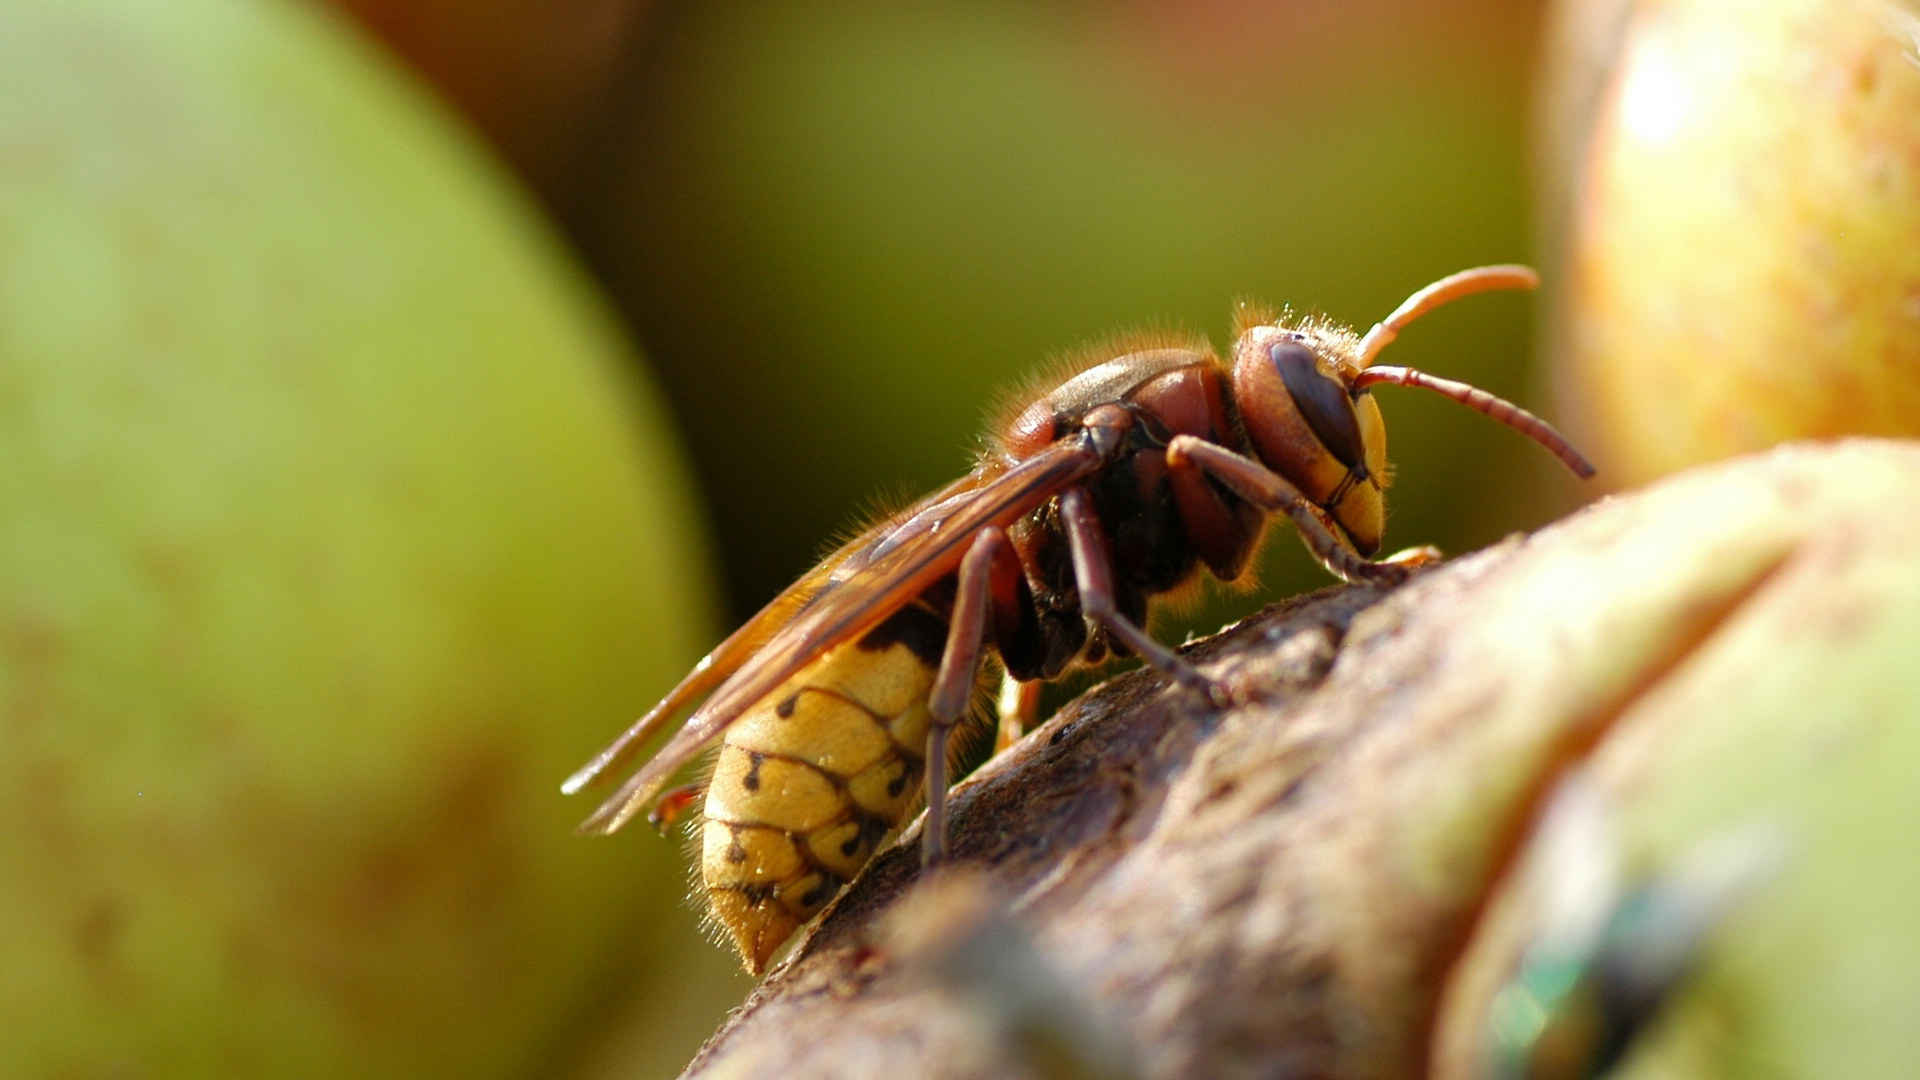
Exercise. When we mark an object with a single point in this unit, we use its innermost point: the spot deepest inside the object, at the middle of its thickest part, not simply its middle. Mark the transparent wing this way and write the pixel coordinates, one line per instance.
(853, 590)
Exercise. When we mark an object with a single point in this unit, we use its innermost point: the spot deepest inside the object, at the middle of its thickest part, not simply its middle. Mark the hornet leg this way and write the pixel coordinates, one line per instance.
(1262, 486)
(1019, 707)
(1093, 575)
(953, 684)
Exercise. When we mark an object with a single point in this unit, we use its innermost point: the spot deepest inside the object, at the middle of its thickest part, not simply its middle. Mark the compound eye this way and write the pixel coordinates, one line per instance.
(1322, 401)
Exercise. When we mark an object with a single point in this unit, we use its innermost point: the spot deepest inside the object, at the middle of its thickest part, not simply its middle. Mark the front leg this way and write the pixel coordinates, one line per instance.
(1263, 487)
(1093, 578)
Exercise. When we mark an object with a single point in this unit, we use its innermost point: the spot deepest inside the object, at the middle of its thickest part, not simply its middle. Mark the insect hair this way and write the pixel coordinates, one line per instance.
(1058, 367)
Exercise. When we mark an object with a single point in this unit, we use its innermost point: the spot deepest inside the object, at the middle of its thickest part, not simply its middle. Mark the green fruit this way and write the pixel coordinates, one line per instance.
(1746, 632)
(331, 544)
(1736, 199)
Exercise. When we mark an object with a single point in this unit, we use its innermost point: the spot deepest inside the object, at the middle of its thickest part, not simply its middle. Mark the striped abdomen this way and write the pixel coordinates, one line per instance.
(813, 777)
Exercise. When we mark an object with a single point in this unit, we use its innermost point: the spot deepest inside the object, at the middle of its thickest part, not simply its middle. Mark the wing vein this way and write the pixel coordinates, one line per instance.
(866, 581)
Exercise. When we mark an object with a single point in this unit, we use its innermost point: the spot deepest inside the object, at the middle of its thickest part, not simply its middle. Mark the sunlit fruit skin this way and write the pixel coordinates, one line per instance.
(1744, 233)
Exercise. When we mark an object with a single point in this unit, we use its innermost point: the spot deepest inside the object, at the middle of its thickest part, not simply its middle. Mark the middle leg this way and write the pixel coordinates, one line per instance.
(1093, 576)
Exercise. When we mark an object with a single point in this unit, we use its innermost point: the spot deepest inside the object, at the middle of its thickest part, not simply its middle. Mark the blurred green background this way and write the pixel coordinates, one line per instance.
(835, 231)
(840, 231)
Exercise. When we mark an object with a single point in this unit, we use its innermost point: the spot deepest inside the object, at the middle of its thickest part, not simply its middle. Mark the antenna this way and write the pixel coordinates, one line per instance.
(1448, 289)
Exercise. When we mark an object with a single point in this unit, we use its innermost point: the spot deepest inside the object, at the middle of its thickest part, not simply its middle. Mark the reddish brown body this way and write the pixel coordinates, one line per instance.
(1160, 526)
(1119, 484)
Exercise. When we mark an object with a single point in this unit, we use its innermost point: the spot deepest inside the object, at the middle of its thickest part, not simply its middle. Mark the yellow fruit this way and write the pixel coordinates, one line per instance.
(1739, 200)
(334, 533)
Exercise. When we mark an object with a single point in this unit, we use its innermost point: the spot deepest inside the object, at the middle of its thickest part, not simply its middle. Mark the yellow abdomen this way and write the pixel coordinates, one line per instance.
(813, 778)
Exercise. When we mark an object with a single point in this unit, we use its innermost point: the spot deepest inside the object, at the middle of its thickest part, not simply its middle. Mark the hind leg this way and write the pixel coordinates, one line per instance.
(987, 557)
(1018, 708)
